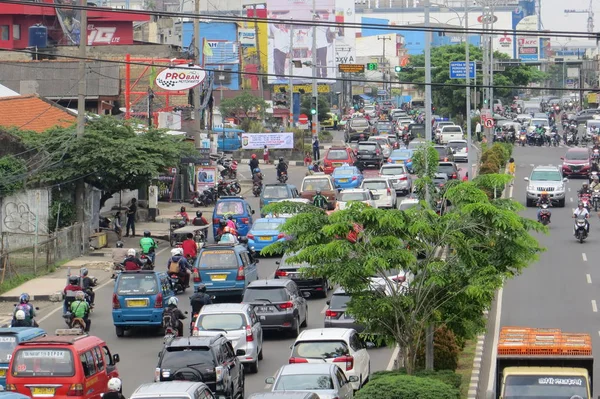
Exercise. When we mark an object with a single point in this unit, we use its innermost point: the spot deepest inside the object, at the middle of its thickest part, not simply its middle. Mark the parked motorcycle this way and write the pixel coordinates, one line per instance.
(227, 168)
(234, 187)
(545, 214)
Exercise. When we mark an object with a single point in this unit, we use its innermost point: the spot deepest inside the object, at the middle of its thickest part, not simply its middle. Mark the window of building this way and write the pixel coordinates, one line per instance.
(16, 32)
(4, 32)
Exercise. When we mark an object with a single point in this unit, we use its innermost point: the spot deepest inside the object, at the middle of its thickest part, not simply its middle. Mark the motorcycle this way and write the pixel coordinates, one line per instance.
(596, 199)
(146, 262)
(585, 199)
(176, 283)
(74, 322)
(193, 323)
(580, 229)
(522, 139)
(33, 322)
(545, 214)
(283, 177)
(234, 187)
(257, 190)
(227, 168)
(170, 331)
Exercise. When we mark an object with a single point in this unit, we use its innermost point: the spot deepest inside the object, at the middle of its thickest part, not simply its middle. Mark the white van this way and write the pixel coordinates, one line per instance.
(450, 133)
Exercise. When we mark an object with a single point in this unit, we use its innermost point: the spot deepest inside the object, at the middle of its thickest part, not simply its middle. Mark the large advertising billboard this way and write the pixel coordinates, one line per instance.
(528, 47)
(345, 41)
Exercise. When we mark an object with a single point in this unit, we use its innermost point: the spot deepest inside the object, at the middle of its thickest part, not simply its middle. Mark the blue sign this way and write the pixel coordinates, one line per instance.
(382, 92)
(458, 70)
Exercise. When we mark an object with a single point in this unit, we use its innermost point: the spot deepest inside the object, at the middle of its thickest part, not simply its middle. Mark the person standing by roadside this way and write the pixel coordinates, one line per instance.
(478, 131)
(117, 226)
(131, 212)
(266, 155)
(316, 152)
(511, 169)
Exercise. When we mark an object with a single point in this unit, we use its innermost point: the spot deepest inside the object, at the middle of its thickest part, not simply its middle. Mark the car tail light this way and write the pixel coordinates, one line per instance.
(285, 305)
(377, 152)
(403, 178)
(250, 236)
(75, 390)
(349, 360)
(389, 191)
(294, 360)
(216, 221)
(159, 301)
(280, 236)
(219, 373)
(157, 374)
(280, 273)
(466, 149)
(454, 175)
(249, 336)
(354, 177)
(245, 220)
(330, 313)
(241, 274)
(196, 276)
(115, 301)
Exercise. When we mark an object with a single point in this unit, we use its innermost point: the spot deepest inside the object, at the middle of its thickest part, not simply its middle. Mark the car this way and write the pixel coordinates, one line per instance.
(460, 149)
(546, 178)
(225, 269)
(292, 200)
(335, 314)
(139, 298)
(357, 128)
(576, 162)
(298, 273)
(369, 153)
(386, 146)
(266, 231)
(283, 395)
(440, 179)
(356, 194)
(402, 156)
(279, 305)
(370, 110)
(408, 203)
(10, 337)
(450, 133)
(416, 144)
(347, 176)
(319, 182)
(383, 191)
(236, 206)
(449, 168)
(209, 359)
(334, 345)
(383, 127)
(437, 129)
(173, 390)
(416, 130)
(336, 157)
(399, 177)
(393, 140)
(274, 192)
(240, 324)
(445, 153)
(326, 379)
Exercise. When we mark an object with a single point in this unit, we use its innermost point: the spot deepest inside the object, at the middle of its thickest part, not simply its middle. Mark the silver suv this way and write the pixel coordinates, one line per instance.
(549, 179)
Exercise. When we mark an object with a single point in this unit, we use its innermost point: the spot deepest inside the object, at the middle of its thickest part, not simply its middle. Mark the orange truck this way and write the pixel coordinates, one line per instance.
(543, 363)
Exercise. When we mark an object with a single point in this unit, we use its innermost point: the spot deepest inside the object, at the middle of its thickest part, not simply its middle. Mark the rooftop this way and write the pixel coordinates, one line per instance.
(33, 113)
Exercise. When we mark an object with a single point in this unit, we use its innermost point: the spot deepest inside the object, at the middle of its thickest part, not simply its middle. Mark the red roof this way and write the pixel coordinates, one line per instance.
(33, 113)
(101, 14)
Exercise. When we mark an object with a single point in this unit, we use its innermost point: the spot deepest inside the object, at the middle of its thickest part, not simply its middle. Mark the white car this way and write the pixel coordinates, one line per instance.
(398, 176)
(341, 346)
(355, 194)
(383, 191)
(408, 203)
(460, 149)
(383, 141)
(370, 110)
(438, 129)
(325, 379)
(239, 323)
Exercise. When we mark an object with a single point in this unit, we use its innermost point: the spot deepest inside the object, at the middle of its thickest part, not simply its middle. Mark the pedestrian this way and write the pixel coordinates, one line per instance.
(117, 226)
(316, 153)
(131, 212)
(335, 122)
(307, 159)
(266, 155)
(478, 130)
(511, 169)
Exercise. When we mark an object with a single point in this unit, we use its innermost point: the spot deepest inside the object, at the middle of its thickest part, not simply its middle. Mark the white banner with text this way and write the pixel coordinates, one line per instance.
(251, 141)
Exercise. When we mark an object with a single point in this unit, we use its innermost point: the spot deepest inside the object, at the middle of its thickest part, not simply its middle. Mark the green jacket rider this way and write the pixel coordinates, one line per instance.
(319, 200)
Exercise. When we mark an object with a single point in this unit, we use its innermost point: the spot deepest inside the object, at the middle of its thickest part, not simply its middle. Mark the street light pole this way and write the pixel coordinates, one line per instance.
(315, 93)
(290, 80)
(383, 59)
(468, 94)
(492, 60)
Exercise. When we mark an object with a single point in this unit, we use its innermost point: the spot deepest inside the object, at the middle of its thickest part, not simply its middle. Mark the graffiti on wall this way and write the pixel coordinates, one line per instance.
(19, 218)
(25, 212)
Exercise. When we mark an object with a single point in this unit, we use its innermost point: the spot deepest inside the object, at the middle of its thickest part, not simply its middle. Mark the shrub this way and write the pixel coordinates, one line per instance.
(492, 159)
(446, 376)
(502, 152)
(489, 168)
(398, 386)
(445, 350)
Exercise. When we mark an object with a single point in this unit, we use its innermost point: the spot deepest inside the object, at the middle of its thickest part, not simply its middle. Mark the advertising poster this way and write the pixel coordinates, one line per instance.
(504, 44)
(251, 141)
(69, 21)
(279, 52)
(345, 40)
(206, 177)
(528, 47)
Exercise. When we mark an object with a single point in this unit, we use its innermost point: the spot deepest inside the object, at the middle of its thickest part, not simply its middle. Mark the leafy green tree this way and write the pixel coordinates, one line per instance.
(322, 106)
(13, 173)
(488, 242)
(425, 164)
(244, 106)
(450, 100)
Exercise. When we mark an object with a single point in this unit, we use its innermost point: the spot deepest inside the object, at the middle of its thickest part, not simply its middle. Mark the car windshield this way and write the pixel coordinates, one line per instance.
(407, 205)
(544, 386)
(415, 144)
(38, 362)
(577, 155)
(343, 172)
(545, 175)
(441, 150)
(451, 129)
(393, 171)
(221, 321)
(384, 125)
(401, 154)
(218, 259)
(320, 349)
(359, 123)
(271, 294)
(336, 155)
(339, 301)
(230, 207)
(175, 358)
(392, 139)
(375, 185)
(372, 146)
(275, 192)
(316, 184)
(137, 284)
(303, 382)
(447, 169)
(457, 145)
(356, 196)
(7, 345)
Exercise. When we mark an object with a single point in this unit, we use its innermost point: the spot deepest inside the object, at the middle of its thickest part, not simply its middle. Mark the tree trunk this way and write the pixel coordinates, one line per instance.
(429, 347)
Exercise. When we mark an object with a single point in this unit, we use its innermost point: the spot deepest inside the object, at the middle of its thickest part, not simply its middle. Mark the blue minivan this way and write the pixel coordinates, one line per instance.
(228, 139)
(139, 298)
(236, 206)
(9, 339)
(225, 269)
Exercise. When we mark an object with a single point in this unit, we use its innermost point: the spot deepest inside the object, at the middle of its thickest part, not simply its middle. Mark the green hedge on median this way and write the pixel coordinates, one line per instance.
(401, 386)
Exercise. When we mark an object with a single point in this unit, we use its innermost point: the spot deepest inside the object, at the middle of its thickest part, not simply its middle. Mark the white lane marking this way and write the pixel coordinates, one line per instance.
(571, 199)
(492, 375)
(588, 278)
(324, 309)
(594, 306)
(569, 189)
(583, 255)
(390, 365)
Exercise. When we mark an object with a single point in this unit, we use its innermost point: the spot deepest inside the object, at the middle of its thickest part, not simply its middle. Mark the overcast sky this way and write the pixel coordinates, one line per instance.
(554, 17)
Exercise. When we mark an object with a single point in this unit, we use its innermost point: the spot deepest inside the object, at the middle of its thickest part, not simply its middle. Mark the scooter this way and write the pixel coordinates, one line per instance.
(146, 262)
(580, 229)
(596, 199)
(585, 199)
(257, 190)
(283, 177)
(545, 214)
(176, 283)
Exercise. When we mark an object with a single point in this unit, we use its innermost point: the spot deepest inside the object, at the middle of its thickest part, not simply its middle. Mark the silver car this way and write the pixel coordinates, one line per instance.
(325, 379)
(335, 314)
(460, 150)
(239, 323)
(398, 176)
(173, 390)
(546, 179)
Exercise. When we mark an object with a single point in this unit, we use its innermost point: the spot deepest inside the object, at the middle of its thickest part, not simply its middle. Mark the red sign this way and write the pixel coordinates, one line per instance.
(110, 33)
(303, 119)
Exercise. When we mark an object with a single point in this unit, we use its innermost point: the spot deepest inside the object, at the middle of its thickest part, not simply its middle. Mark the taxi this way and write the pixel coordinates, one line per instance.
(66, 365)
(347, 176)
(9, 339)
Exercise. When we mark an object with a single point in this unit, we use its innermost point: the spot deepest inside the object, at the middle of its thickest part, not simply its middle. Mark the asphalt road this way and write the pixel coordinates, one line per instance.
(561, 290)
(139, 351)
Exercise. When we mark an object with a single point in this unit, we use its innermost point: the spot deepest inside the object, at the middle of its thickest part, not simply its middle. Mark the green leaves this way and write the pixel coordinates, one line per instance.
(13, 173)
(242, 105)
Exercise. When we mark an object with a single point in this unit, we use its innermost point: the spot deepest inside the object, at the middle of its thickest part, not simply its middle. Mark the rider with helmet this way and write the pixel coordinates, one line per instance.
(595, 185)
(231, 224)
(221, 228)
(81, 309)
(319, 200)
(70, 290)
(257, 177)
(199, 220)
(199, 299)
(582, 212)
(149, 246)
(87, 284)
(253, 163)
(24, 313)
(118, 255)
(132, 262)
(114, 389)
(543, 200)
(282, 167)
(184, 215)
(178, 264)
(229, 236)
(585, 189)
(172, 316)
(20, 319)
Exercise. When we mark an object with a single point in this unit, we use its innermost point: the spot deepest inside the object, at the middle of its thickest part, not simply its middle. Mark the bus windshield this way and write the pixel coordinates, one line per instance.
(545, 386)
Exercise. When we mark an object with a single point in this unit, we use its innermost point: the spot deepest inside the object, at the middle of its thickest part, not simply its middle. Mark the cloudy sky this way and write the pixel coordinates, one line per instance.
(554, 17)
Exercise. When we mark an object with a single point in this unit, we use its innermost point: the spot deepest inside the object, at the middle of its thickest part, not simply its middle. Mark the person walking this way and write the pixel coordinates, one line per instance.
(266, 155)
(478, 131)
(316, 152)
(131, 212)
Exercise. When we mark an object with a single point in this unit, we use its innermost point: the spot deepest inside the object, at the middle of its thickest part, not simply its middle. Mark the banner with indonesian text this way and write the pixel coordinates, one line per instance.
(252, 141)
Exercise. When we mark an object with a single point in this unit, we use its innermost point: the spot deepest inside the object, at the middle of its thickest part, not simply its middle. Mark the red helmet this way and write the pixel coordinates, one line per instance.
(253, 156)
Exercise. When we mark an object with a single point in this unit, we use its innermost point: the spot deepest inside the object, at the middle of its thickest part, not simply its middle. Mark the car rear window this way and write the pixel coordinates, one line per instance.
(221, 321)
(401, 154)
(7, 345)
(320, 349)
(384, 125)
(268, 294)
(457, 145)
(343, 172)
(407, 205)
(577, 155)
(230, 207)
(316, 184)
(137, 284)
(369, 146)
(43, 362)
(266, 225)
(175, 358)
(441, 150)
(375, 185)
(447, 169)
(304, 382)
(337, 155)
(275, 192)
(393, 171)
(345, 197)
(359, 123)
(339, 301)
(218, 259)
(451, 129)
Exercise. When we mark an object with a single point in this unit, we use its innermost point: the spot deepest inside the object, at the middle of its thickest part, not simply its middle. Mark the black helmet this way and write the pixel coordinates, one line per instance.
(201, 288)
(74, 280)
(318, 192)
(198, 214)
(222, 222)
(147, 233)
(280, 159)
(84, 272)
(182, 209)
(230, 217)
(120, 244)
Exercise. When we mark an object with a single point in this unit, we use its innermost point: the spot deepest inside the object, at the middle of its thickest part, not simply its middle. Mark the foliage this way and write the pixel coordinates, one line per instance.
(449, 99)
(446, 376)
(253, 126)
(400, 386)
(494, 159)
(244, 106)
(425, 165)
(61, 210)
(13, 172)
(490, 242)
(322, 106)
(445, 350)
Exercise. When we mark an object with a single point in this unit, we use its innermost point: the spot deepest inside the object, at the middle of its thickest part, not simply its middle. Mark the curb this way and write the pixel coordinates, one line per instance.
(290, 163)
(474, 382)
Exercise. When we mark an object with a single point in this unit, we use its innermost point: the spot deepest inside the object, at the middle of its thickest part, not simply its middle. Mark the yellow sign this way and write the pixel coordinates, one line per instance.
(351, 68)
(592, 98)
(322, 88)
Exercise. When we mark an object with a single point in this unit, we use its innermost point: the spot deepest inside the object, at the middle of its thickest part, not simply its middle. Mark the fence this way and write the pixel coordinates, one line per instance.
(63, 245)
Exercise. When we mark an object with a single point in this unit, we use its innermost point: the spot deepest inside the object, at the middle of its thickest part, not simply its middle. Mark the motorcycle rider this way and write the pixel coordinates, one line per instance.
(253, 163)
(87, 284)
(81, 309)
(114, 389)
(118, 255)
(595, 185)
(73, 287)
(199, 299)
(184, 215)
(131, 262)
(543, 200)
(175, 315)
(257, 177)
(28, 313)
(282, 167)
(149, 246)
(585, 190)
(199, 220)
(319, 200)
(189, 246)
(221, 229)
(582, 212)
(20, 320)
(231, 223)
(179, 265)
(229, 236)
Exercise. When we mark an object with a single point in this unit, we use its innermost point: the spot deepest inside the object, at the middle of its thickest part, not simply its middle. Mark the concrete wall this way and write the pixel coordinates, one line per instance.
(24, 215)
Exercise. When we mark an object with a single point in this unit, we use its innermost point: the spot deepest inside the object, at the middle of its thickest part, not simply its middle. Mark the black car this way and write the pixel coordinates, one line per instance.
(445, 154)
(211, 360)
(383, 127)
(304, 281)
(369, 153)
(449, 168)
(416, 130)
(356, 127)
(279, 304)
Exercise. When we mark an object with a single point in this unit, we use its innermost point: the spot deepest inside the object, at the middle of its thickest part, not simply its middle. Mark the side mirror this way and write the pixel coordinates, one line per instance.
(353, 378)
(116, 358)
(185, 312)
(240, 352)
(370, 345)
(526, 178)
(270, 380)
(277, 262)
(306, 294)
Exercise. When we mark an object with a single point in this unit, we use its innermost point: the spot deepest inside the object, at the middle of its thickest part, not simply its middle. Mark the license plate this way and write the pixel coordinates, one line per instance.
(136, 303)
(399, 161)
(42, 391)
(218, 277)
(343, 180)
(336, 164)
(263, 309)
(264, 238)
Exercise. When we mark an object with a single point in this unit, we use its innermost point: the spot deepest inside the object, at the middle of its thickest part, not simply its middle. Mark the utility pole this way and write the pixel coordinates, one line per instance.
(150, 101)
(290, 80)
(468, 93)
(258, 54)
(383, 60)
(198, 89)
(80, 184)
(491, 91)
(315, 92)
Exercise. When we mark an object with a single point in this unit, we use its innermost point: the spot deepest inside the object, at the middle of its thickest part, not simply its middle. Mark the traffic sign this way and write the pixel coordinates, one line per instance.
(302, 119)
(372, 66)
(458, 70)
(489, 123)
(351, 68)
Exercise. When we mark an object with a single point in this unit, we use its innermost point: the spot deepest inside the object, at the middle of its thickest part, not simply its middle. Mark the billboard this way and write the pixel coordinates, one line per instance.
(279, 51)
(345, 41)
(528, 47)
(504, 44)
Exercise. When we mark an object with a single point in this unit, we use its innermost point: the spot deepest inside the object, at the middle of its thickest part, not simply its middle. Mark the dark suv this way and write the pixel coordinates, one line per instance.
(445, 153)
(206, 359)
(449, 168)
(369, 153)
(304, 281)
(279, 305)
(356, 127)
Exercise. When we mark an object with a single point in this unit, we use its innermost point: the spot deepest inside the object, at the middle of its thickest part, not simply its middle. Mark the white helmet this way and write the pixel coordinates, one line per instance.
(179, 251)
(173, 301)
(131, 252)
(80, 296)
(175, 252)
(114, 384)
(20, 315)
